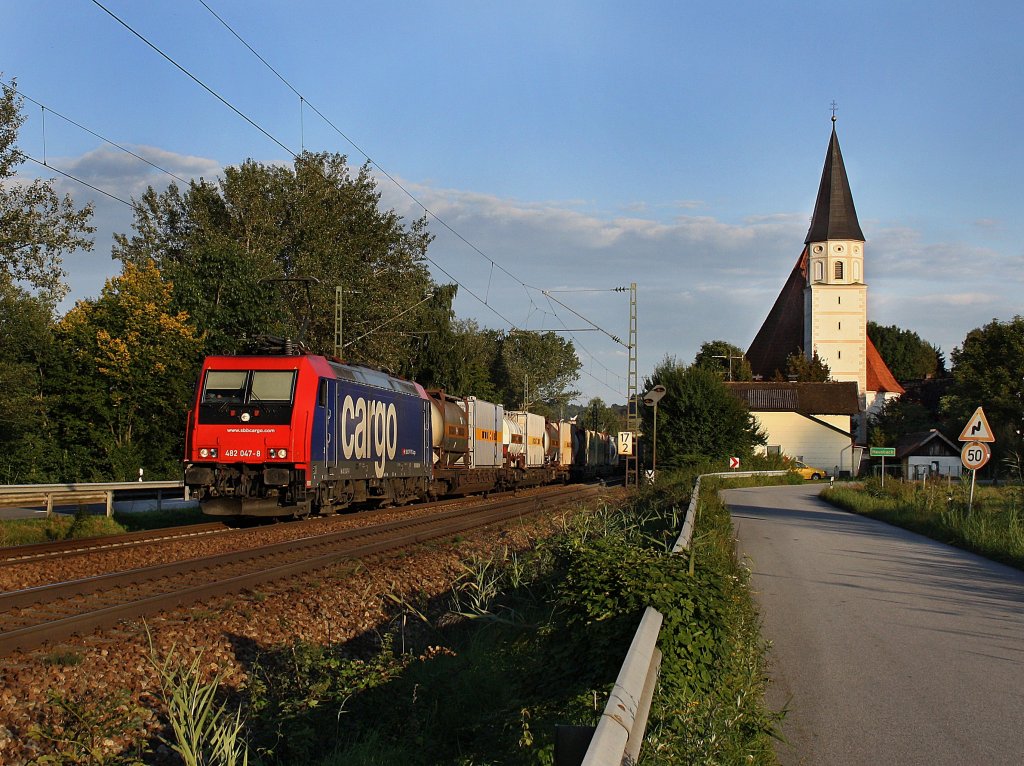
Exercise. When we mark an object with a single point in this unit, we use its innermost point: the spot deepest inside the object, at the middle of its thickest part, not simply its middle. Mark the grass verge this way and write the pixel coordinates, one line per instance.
(86, 524)
(993, 526)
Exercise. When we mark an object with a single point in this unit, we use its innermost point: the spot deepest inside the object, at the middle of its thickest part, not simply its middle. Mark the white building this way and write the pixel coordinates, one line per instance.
(810, 422)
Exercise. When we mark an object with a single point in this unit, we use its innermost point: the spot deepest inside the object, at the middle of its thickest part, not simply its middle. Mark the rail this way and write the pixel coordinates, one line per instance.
(81, 492)
(619, 734)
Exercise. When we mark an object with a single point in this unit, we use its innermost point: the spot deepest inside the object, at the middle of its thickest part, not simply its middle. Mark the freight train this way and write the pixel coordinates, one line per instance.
(296, 434)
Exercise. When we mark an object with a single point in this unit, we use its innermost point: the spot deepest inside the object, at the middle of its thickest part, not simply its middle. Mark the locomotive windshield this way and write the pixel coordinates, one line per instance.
(258, 396)
(225, 386)
(272, 386)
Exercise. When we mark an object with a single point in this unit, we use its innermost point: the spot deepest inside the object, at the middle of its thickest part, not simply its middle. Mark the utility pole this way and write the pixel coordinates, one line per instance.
(339, 321)
(632, 397)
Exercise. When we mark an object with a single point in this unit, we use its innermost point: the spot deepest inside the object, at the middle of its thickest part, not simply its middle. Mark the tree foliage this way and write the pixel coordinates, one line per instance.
(129, 367)
(237, 252)
(907, 356)
(26, 341)
(37, 226)
(728, 359)
(898, 418)
(804, 370)
(988, 372)
(698, 418)
(536, 370)
(598, 416)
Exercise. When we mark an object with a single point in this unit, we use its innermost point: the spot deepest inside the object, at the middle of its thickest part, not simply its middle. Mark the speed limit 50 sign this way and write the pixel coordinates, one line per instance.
(974, 455)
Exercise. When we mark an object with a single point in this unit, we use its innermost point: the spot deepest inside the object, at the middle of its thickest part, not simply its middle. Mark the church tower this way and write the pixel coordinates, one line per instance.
(823, 304)
(835, 293)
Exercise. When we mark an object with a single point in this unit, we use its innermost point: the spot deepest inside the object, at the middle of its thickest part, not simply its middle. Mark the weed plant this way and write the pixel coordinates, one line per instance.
(85, 732)
(526, 642)
(205, 733)
(992, 526)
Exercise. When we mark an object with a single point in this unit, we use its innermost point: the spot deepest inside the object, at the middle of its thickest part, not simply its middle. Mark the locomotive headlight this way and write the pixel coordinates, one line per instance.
(213, 452)
(203, 452)
(282, 453)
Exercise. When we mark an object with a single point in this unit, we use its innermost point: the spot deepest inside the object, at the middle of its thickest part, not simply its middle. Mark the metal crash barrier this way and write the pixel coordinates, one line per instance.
(619, 734)
(49, 494)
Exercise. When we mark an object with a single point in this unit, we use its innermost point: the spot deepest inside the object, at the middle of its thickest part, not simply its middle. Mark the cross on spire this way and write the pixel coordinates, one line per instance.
(834, 105)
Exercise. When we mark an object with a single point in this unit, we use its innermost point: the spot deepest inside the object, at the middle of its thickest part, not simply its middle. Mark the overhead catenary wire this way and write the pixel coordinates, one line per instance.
(304, 102)
(283, 146)
(493, 263)
(120, 147)
(75, 178)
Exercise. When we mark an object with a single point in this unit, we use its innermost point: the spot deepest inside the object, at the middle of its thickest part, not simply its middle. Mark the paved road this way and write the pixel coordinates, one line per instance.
(889, 648)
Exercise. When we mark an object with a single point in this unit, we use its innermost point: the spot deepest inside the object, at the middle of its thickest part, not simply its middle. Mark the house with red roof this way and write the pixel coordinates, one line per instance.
(822, 308)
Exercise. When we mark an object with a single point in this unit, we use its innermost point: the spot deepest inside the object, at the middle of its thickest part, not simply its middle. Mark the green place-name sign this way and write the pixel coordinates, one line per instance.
(883, 452)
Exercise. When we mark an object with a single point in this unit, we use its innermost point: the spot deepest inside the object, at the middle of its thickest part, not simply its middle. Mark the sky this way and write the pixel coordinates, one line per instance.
(563, 149)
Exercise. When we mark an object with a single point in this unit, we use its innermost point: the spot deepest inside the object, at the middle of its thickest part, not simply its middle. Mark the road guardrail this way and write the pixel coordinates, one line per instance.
(81, 492)
(620, 732)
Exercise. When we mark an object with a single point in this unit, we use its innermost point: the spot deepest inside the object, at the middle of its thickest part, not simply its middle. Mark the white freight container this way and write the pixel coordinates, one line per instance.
(534, 436)
(564, 443)
(512, 441)
(485, 432)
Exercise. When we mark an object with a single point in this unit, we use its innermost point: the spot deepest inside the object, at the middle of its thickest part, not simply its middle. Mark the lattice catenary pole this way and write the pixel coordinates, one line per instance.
(632, 395)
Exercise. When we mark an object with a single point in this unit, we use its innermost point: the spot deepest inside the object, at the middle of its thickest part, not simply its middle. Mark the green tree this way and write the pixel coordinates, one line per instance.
(907, 356)
(458, 357)
(234, 250)
(898, 418)
(37, 227)
(597, 416)
(538, 369)
(26, 343)
(988, 372)
(723, 356)
(698, 418)
(214, 272)
(804, 370)
(131, 363)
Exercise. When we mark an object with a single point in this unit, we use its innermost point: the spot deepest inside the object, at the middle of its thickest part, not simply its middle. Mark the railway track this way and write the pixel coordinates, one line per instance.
(60, 548)
(33, 617)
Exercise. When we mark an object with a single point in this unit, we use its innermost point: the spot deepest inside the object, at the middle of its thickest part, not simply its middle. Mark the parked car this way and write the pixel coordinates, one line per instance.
(807, 471)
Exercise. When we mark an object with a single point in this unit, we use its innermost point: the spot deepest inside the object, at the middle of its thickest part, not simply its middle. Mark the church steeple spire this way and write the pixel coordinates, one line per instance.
(834, 214)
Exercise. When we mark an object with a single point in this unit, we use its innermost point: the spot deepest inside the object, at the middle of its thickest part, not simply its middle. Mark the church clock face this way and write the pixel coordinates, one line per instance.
(818, 248)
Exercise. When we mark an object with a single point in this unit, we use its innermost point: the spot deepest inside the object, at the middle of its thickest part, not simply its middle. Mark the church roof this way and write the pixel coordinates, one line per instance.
(806, 398)
(834, 214)
(879, 377)
(782, 333)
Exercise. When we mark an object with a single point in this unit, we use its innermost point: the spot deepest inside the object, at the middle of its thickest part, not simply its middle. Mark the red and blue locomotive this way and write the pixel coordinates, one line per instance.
(290, 435)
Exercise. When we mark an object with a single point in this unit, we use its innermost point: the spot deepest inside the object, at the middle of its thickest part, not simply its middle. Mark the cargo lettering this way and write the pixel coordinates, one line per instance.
(369, 431)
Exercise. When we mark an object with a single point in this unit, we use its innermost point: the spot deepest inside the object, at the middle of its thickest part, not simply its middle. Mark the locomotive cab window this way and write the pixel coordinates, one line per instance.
(247, 396)
(224, 387)
(272, 386)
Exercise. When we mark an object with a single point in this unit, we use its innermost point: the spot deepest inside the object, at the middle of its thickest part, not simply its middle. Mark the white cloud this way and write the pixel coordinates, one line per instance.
(700, 277)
